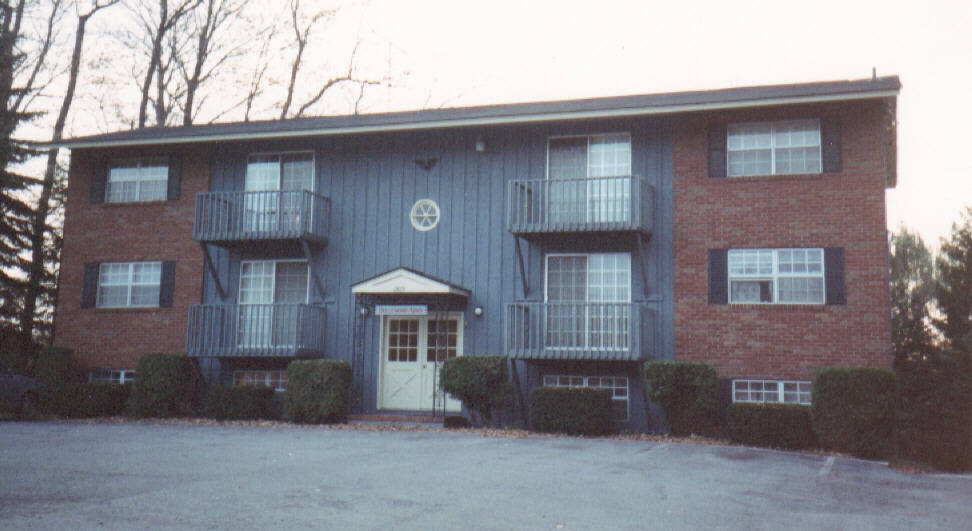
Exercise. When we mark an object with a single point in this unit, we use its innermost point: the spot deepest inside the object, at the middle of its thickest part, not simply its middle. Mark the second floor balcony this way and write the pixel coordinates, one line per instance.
(227, 218)
(579, 331)
(255, 330)
(597, 204)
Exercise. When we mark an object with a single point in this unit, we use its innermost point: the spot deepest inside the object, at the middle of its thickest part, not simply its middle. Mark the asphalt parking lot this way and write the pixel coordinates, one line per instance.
(67, 475)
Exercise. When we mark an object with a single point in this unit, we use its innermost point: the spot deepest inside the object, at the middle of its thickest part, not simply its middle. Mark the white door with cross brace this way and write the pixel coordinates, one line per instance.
(413, 350)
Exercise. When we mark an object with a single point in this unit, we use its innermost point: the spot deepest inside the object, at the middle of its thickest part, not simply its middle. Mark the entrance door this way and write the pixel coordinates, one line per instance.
(413, 350)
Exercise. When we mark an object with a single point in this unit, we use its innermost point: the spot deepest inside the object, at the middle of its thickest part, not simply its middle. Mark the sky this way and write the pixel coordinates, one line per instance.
(462, 53)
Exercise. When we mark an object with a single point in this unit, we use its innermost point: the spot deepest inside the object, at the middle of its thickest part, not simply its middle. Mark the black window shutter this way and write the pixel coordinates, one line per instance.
(89, 285)
(175, 178)
(718, 276)
(167, 284)
(834, 275)
(717, 150)
(830, 144)
(99, 180)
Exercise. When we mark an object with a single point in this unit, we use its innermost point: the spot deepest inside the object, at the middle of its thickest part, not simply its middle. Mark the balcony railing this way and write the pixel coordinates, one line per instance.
(228, 217)
(592, 331)
(599, 204)
(280, 330)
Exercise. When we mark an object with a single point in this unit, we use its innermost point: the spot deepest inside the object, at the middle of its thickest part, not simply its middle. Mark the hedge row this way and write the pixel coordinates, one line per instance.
(853, 410)
(687, 394)
(480, 382)
(786, 426)
(934, 424)
(318, 391)
(572, 410)
(168, 385)
(225, 402)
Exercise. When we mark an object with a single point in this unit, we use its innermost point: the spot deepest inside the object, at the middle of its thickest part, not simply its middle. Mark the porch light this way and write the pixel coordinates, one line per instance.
(363, 311)
(478, 311)
(480, 147)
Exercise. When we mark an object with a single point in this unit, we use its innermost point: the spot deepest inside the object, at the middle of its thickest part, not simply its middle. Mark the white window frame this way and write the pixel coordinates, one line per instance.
(774, 275)
(128, 283)
(273, 280)
(755, 391)
(280, 168)
(603, 136)
(744, 130)
(587, 332)
(276, 379)
(114, 376)
(140, 171)
(620, 390)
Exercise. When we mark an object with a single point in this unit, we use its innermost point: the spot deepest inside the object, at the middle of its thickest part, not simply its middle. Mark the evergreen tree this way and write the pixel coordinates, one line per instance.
(954, 284)
(16, 211)
(912, 289)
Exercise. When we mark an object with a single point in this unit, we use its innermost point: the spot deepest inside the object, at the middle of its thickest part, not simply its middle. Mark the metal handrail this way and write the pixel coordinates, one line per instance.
(274, 214)
(255, 330)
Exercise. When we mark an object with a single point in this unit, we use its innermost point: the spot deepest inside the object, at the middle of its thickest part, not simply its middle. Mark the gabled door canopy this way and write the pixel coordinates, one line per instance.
(405, 281)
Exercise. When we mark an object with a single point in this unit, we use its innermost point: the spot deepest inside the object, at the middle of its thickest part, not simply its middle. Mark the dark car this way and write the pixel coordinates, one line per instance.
(18, 394)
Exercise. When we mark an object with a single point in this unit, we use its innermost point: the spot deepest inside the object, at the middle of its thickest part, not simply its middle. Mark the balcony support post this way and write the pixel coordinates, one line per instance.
(211, 267)
(519, 257)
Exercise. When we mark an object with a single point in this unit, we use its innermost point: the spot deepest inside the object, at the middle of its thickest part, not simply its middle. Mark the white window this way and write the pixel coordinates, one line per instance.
(115, 376)
(773, 148)
(782, 276)
(782, 391)
(618, 385)
(275, 379)
(129, 284)
(273, 182)
(592, 175)
(137, 180)
(588, 301)
(270, 292)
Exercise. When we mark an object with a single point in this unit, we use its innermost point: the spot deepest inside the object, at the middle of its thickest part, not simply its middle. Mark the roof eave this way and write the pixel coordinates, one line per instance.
(511, 119)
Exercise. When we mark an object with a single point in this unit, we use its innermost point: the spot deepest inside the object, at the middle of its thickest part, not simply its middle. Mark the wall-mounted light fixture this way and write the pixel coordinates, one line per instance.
(478, 311)
(363, 311)
(480, 145)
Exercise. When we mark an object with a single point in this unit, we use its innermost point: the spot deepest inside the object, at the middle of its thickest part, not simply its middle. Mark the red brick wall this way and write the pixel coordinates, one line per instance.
(845, 209)
(116, 338)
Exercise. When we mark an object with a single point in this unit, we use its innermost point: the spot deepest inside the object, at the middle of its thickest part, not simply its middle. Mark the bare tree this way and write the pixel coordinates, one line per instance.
(302, 27)
(42, 238)
(157, 22)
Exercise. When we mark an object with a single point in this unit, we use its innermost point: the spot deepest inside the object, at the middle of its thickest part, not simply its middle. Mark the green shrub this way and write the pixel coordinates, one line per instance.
(168, 385)
(572, 410)
(98, 399)
(480, 382)
(853, 410)
(225, 402)
(687, 393)
(55, 368)
(785, 426)
(317, 391)
(934, 423)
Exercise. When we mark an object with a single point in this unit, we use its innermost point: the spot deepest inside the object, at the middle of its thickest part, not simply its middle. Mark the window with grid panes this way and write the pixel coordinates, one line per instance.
(781, 391)
(132, 180)
(782, 276)
(275, 379)
(773, 148)
(129, 284)
(588, 300)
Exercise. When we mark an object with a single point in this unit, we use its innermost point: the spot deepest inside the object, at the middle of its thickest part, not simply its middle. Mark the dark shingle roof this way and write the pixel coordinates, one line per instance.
(501, 114)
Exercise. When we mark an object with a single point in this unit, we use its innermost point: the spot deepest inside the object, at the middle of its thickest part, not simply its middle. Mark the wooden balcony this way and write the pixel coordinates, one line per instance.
(259, 330)
(600, 204)
(228, 218)
(579, 331)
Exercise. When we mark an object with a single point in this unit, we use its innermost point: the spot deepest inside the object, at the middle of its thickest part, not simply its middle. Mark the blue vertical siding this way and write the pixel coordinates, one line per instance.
(373, 181)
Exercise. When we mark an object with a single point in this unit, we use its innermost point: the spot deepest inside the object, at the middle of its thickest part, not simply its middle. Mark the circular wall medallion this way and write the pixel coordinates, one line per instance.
(425, 215)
